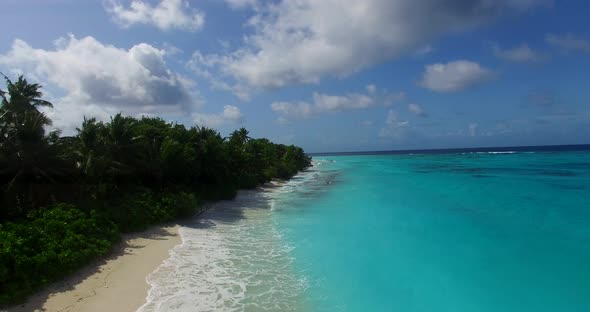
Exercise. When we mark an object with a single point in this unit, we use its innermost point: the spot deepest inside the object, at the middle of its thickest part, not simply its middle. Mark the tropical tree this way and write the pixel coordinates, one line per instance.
(29, 159)
(64, 199)
(151, 133)
(239, 137)
(22, 96)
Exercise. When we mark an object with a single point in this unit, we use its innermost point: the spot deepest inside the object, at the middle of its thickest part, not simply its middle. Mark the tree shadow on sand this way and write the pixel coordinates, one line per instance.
(231, 211)
(125, 247)
(225, 211)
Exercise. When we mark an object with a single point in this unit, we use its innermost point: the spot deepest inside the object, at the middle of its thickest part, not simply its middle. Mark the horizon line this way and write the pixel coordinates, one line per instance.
(572, 147)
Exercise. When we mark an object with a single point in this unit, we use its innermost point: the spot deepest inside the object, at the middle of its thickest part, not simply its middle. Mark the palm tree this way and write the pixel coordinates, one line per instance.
(22, 99)
(107, 151)
(26, 93)
(89, 136)
(239, 137)
(20, 118)
(28, 158)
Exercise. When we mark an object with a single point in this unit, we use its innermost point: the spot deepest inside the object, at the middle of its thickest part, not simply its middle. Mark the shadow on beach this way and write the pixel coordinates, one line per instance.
(212, 214)
(231, 211)
(123, 248)
(226, 211)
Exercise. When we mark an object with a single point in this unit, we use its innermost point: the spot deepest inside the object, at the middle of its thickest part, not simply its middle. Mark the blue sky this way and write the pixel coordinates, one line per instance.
(325, 75)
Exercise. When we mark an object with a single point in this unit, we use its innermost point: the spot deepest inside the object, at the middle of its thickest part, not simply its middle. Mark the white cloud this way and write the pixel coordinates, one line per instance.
(101, 79)
(569, 42)
(520, 54)
(238, 4)
(322, 103)
(306, 40)
(171, 49)
(327, 103)
(202, 66)
(225, 45)
(472, 129)
(424, 50)
(394, 128)
(416, 110)
(292, 110)
(168, 14)
(230, 114)
(454, 76)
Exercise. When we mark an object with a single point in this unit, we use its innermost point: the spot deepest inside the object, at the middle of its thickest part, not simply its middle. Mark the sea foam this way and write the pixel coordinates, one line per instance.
(232, 258)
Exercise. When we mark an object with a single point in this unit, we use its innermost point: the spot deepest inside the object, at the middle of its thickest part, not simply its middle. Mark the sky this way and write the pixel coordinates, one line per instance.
(348, 75)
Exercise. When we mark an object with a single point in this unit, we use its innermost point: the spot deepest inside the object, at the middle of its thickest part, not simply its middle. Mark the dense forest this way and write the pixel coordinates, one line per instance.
(66, 199)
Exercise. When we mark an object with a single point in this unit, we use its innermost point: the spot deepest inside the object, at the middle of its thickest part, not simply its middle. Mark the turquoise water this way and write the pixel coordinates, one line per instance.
(456, 232)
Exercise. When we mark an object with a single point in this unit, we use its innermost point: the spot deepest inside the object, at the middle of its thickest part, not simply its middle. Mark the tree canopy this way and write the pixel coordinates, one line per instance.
(117, 175)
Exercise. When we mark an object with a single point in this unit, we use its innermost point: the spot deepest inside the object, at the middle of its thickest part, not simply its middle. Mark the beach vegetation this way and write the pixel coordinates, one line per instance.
(65, 200)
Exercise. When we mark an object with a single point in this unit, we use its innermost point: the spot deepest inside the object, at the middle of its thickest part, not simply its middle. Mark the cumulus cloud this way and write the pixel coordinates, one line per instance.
(569, 42)
(520, 54)
(392, 120)
(304, 41)
(394, 128)
(322, 103)
(166, 15)
(101, 79)
(203, 65)
(292, 110)
(454, 76)
(326, 103)
(416, 110)
(230, 114)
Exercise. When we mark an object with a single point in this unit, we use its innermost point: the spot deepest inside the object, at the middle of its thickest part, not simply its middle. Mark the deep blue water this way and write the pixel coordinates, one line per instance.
(441, 232)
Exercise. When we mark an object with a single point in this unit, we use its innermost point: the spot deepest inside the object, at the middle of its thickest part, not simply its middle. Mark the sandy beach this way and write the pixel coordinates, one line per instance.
(116, 283)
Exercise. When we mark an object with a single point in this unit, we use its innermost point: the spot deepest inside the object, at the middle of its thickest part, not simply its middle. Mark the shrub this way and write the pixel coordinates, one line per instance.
(218, 192)
(137, 211)
(249, 182)
(47, 245)
(181, 204)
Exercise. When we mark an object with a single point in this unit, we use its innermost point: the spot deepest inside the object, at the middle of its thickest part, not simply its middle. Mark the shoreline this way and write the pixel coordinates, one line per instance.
(229, 257)
(114, 283)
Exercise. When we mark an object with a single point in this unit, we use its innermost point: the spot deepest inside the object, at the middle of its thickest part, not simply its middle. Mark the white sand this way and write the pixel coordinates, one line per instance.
(114, 284)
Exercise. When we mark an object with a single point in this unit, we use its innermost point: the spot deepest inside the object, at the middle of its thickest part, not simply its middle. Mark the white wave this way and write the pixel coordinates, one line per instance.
(231, 259)
(503, 152)
(317, 162)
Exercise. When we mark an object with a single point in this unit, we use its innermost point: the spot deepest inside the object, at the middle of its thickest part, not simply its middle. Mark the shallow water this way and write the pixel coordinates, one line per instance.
(454, 232)
(232, 258)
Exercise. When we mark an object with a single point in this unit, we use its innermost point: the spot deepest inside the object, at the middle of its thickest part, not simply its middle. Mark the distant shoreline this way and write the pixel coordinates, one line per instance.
(531, 148)
(116, 283)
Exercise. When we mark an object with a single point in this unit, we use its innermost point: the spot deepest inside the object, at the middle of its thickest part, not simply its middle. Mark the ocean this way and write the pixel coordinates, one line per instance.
(464, 230)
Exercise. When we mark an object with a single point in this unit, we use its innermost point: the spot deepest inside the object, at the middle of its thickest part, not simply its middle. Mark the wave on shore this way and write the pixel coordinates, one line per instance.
(232, 258)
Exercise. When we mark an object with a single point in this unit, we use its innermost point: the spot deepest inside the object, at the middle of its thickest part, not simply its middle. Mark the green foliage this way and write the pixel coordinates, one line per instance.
(139, 210)
(182, 204)
(48, 244)
(124, 174)
(135, 212)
